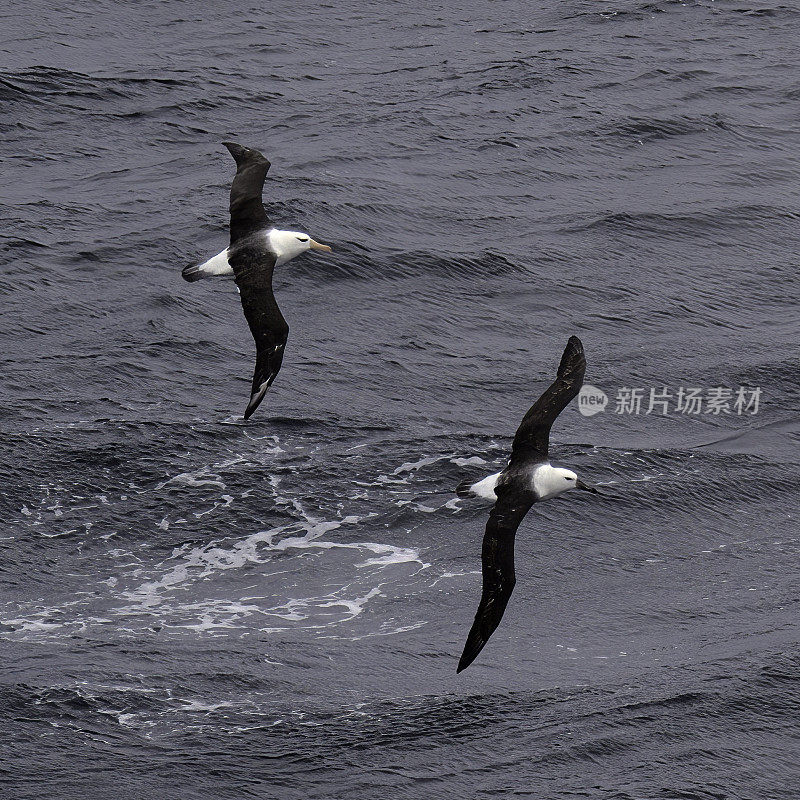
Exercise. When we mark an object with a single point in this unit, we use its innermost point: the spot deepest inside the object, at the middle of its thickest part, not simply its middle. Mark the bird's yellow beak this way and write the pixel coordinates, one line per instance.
(317, 246)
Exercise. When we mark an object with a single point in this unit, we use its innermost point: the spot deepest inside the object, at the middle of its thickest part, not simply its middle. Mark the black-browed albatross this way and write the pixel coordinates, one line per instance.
(256, 248)
(527, 479)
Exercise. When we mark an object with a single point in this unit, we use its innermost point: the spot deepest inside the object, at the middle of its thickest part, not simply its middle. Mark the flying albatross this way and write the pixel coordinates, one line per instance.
(256, 248)
(527, 479)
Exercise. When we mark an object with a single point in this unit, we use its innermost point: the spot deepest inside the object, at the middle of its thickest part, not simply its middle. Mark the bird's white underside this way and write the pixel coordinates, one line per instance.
(547, 481)
(285, 245)
(485, 487)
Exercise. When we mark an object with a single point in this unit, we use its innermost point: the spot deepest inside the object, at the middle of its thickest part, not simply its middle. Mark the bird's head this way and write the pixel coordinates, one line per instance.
(567, 479)
(289, 244)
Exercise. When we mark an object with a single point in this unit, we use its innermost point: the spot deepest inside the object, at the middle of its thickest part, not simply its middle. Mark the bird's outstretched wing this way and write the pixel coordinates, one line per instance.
(247, 210)
(533, 435)
(253, 262)
(512, 505)
(267, 325)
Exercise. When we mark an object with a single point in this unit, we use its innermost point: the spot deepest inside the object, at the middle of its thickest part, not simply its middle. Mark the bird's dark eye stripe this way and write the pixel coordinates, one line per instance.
(300, 239)
(566, 479)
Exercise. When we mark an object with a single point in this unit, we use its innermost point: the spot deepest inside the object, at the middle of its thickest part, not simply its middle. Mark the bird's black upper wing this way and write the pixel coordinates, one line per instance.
(497, 556)
(266, 322)
(247, 211)
(253, 263)
(532, 438)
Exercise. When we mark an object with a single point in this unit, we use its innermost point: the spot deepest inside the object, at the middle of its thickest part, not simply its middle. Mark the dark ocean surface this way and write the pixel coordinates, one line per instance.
(197, 608)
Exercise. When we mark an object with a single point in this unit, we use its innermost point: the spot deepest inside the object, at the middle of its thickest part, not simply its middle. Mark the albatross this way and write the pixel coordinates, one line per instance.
(256, 248)
(527, 479)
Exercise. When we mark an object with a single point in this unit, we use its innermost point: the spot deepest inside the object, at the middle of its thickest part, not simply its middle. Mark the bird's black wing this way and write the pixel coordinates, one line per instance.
(247, 211)
(497, 556)
(253, 263)
(533, 435)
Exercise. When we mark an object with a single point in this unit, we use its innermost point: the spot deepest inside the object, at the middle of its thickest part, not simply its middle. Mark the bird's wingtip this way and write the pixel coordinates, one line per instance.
(236, 150)
(471, 651)
(246, 155)
(251, 407)
(573, 354)
(574, 341)
(255, 402)
(464, 662)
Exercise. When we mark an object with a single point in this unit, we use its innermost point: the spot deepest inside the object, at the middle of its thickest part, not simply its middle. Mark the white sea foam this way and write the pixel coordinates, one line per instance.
(189, 567)
(388, 628)
(194, 479)
(207, 475)
(412, 466)
(200, 588)
(472, 461)
(445, 575)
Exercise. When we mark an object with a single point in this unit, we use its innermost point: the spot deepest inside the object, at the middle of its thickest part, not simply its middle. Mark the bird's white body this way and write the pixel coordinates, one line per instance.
(218, 265)
(546, 481)
(485, 488)
(284, 244)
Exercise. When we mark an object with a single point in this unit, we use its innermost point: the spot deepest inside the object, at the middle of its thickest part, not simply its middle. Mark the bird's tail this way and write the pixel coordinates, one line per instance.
(464, 489)
(483, 488)
(194, 272)
(218, 265)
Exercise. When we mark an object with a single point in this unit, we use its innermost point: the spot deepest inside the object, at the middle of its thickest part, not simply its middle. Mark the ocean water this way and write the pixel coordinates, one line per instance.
(197, 608)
